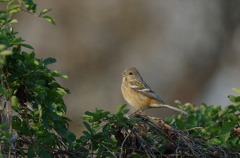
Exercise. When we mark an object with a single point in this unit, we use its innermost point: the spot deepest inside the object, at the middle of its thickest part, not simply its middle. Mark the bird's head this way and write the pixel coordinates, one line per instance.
(131, 74)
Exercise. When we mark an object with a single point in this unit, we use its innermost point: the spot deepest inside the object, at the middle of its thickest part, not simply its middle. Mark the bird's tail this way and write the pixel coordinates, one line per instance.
(170, 107)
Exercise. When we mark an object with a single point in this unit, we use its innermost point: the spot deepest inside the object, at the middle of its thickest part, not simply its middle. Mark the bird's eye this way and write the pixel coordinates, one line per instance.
(130, 73)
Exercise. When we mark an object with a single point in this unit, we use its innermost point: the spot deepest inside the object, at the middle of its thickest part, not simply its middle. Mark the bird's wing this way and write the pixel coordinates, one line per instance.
(144, 89)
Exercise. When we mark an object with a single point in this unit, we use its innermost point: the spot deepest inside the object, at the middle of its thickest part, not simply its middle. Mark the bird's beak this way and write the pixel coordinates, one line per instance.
(123, 74)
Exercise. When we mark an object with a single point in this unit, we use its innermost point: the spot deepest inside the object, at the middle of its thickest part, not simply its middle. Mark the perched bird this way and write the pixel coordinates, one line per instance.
(139, 95)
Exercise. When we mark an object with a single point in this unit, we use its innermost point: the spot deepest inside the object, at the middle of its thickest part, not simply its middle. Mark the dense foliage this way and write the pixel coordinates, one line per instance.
(37, 127)
(29, 88)
(209, 131)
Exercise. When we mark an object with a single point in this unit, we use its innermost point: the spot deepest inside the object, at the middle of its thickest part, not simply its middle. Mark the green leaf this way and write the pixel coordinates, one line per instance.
(42, 96)
(232, 109)
(233, 140)
(45, 154)
(236, 90)
(44, 11)
(134, 120)
(54, 85)
(191, 121)
(210, 123)
(216, 141)
(99, 111)
(224, 137)
(101, 149)
(169, 119)
(5, 140)
(2, 47)
(125, 111)
(97, 122)
(14, 9)
(40, 82)
(3, 125)
(180, 124)
(231, 118)
(14, 100)
(31, 152)
(120, 118)
(121, 107)
(97, 126)
(89, 113)
(13, 21)
(26, 56)
(61, 91)
(4, 16)
(27, 46)
(3, 11)
(62, 76)
(36, 62)
(3, 91)
(231, 98)
(21, 126)
(49, 61)
(106, 128)
(225, 110)
(17, 41)
(10, 4)
(17, 49)
(71, 138)
(50, 19)
(88, 136)
(88, 127)
(227, 127)
(214, 130)
(6, 52)
(5, 133)
(45, 121)
(105, 114)
(63, 132)
(237, 99)
(87, 117)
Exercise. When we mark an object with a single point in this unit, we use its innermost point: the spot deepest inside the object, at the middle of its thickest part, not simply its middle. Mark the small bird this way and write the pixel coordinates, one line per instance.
(139, 95)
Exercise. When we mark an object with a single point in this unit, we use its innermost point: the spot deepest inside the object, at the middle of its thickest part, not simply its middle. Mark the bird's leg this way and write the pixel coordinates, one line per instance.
(138, 112)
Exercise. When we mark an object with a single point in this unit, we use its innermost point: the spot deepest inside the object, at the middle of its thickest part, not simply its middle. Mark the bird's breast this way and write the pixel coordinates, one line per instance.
(135, 99)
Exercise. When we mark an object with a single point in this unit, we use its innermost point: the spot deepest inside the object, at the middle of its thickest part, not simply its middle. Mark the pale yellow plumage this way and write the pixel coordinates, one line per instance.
(138, 94)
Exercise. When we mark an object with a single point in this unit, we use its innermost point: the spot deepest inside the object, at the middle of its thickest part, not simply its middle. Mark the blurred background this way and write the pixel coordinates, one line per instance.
(185, 50)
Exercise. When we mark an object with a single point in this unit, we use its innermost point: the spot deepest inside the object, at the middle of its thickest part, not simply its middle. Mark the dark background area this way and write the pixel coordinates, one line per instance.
(185, 50)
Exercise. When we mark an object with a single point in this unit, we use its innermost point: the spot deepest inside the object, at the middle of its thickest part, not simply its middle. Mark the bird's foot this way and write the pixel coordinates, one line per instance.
(138, 112)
